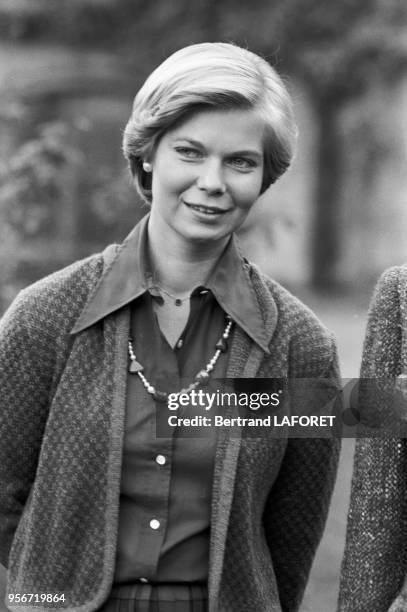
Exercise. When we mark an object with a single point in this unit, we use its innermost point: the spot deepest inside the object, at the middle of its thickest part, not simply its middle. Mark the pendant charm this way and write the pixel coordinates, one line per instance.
(221, 345)
(135, 367)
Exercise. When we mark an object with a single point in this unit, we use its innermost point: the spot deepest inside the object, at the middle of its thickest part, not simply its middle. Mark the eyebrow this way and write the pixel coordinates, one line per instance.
(196, 143)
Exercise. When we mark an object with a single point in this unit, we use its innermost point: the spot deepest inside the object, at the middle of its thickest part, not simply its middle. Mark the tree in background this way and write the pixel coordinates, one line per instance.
(339, 50)
(335, 49)
(31, 182)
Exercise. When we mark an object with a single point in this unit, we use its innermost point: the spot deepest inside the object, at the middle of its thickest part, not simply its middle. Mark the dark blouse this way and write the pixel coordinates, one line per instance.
(166, 484)
(164, 514)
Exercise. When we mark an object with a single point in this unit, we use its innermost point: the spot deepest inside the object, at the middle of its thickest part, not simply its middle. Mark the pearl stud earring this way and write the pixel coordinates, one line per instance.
(147, 167)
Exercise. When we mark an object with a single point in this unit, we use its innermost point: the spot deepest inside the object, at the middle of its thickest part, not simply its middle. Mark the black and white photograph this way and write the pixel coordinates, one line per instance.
(203, 306)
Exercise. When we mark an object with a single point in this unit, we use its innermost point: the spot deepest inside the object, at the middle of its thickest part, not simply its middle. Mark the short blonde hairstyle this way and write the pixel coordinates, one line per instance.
(222, 76)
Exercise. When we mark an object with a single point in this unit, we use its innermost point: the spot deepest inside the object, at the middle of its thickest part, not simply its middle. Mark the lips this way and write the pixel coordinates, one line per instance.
(206, 210)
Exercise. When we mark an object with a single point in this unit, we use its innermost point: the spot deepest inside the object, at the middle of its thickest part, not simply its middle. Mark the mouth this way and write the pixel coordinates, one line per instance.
(206, 210)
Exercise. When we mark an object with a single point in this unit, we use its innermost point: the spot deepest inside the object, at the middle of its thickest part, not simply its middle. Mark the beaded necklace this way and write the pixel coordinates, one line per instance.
(201, 378)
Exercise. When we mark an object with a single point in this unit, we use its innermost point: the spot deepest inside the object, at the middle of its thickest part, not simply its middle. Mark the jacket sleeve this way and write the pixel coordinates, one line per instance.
(298, 503)
(375, 560)
(26, 370)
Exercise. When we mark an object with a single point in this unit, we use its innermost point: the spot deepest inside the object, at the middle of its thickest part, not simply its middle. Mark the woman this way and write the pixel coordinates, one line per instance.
(374, 569)
(95, 505)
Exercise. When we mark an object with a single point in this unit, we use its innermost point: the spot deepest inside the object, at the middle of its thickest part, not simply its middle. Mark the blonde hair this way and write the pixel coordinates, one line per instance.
(210, 75)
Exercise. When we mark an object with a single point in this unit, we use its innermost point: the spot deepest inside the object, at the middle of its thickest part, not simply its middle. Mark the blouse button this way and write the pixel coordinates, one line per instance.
(143, 580)
(180, 343)
(160, 459)
(154, 524)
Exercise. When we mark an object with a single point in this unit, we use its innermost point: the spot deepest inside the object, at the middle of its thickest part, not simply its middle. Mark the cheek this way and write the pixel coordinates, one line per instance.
(247, 194)
(171, 180)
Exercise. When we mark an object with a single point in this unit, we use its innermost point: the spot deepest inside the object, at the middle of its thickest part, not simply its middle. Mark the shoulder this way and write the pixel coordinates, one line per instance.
(293, 315)
(309, 340)
(393, 275)
(391, 288)
(389, 299)
(384, 346)
(54, 302)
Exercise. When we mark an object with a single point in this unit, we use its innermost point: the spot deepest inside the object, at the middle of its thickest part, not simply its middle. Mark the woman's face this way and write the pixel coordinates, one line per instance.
(206, 175)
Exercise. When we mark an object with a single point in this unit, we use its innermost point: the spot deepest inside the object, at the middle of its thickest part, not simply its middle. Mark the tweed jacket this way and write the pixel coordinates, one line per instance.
(374, 568)
(62, 403)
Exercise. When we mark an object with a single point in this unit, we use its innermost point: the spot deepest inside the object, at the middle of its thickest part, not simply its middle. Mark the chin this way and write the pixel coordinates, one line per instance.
(206, 236)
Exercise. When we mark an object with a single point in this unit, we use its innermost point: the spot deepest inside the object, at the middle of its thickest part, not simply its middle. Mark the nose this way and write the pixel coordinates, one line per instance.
(211, 178)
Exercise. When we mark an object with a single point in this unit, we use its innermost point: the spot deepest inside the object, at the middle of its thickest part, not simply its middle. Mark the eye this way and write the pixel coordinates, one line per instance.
(188, 152)
(242, 163)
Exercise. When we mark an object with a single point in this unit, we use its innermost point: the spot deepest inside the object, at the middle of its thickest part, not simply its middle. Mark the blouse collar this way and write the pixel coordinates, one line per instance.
(128, 276)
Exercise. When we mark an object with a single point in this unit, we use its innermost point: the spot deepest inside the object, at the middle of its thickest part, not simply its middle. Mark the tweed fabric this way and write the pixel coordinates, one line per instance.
(374, 567)
(62, 409)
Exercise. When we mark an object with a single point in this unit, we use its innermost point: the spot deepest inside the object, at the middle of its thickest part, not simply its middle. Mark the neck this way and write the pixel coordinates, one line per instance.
(181, 266)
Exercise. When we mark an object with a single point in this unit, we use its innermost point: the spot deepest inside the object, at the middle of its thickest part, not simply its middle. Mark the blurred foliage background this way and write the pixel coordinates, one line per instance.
(68, 73)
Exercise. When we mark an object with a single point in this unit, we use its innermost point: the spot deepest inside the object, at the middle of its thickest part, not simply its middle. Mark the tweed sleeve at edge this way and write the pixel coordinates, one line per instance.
(298, 504)
(375, 559)
(26, 369)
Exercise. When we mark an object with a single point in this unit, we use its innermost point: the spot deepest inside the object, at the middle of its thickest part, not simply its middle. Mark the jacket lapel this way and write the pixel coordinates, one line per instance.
(116, 336)
(245, 361)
